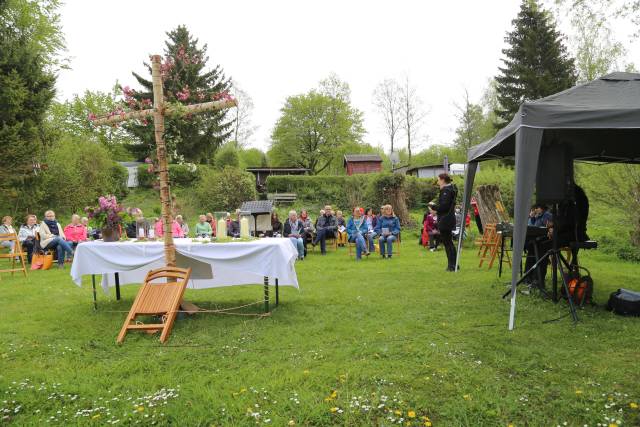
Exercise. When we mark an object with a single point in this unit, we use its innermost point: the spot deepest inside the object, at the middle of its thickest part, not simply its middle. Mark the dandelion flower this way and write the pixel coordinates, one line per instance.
(306, 372)
(140, 408)
(633, 405)
(292, 423)
(467, 397)
(397, 412)
(411, 414)
(333, 410)
(578, 392)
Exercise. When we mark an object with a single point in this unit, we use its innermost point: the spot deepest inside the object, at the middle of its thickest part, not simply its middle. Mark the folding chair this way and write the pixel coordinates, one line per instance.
(158, 299)
(15, 252)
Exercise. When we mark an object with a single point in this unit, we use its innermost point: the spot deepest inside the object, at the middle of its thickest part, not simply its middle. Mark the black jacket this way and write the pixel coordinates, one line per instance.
(327, 223)
(288, 231)
(446, 208)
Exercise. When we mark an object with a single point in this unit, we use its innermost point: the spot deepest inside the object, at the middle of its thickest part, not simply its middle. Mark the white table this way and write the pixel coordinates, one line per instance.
(262, 261)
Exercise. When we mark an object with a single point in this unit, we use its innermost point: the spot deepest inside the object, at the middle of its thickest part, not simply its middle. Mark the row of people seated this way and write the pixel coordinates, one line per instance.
(358, 230)
(47, 235)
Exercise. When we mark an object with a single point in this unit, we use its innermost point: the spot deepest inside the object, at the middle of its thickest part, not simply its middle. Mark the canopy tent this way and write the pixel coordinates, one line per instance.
(598, 121)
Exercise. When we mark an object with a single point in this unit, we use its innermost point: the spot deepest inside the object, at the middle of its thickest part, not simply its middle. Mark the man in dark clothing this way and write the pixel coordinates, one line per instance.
(446, 217)
(326, 226)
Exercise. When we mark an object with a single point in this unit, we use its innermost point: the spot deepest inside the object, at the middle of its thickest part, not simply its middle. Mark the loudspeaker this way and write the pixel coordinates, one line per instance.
(554, 181)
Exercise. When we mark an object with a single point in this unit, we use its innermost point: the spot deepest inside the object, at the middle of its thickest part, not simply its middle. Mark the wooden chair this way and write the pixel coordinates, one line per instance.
(331, 240)
(161, 298)
(14, 253)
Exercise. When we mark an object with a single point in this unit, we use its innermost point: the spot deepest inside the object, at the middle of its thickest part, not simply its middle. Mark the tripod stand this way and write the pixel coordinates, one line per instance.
(557, 262)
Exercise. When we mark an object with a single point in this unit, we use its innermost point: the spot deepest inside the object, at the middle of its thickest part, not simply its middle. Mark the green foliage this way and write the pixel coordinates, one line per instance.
(252, 158)
(527, 74)
(224, 190)
(77, 174)
(26, 90)
(347, 192)
(146, 179)
(471, 121)
(182, 175)
(193, 138)
(434, 155)
(71, 118)
(312, 130)
(227, 155)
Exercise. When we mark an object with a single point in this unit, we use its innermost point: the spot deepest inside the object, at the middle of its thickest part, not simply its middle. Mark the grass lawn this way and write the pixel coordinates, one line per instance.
(378, 342)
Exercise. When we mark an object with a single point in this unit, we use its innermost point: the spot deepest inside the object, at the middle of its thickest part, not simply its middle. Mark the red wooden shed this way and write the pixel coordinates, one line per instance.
(362, 163)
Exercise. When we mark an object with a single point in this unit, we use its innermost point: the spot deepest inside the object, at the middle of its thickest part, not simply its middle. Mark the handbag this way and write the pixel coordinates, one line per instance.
(41, 261)
(48, 261)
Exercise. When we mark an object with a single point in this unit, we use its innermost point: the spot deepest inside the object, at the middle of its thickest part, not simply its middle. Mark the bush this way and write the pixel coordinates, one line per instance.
(119, 176)
(227, 155)
(77, 173)
(146, 179)
(224, 190)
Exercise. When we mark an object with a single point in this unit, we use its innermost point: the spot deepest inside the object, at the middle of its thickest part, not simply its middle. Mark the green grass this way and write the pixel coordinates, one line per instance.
(371, 341)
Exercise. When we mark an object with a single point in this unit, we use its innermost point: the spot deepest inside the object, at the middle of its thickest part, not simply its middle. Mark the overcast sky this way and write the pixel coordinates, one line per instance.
(274, 49)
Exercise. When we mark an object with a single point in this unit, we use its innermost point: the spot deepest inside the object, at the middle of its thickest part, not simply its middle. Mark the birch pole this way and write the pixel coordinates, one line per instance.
(163, 166)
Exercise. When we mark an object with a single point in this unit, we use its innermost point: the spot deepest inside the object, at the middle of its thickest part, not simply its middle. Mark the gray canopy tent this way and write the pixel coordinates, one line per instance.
(598, 121)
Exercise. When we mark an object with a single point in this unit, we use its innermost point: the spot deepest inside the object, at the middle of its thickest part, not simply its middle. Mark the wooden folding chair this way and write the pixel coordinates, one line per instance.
(489, 244)
(15, 252)
(160, 298)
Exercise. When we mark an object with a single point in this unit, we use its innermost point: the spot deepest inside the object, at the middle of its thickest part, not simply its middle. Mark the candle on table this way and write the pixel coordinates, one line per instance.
(222, 228)
(244, 227)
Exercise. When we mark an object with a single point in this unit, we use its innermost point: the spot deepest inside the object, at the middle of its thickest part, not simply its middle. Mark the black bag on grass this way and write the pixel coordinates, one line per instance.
(625, 302)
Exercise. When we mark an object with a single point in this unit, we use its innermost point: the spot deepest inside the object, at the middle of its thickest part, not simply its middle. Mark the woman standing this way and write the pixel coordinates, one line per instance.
(447, 217)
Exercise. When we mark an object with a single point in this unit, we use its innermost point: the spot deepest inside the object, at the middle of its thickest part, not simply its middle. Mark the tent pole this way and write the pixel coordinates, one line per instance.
(528, 142)
(469, 177)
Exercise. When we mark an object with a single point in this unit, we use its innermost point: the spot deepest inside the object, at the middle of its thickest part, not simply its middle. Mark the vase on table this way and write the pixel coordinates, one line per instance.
(110, 234)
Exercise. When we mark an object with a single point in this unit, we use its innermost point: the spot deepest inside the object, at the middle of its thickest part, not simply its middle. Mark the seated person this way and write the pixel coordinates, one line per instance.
(294, 229)
(342, 229)
(276, 225)
(52, 236)
(75, 232)
(183, 225)
(539, 216)
(212, 222)
(7, 228)
(203, 228)
(309, 229)
(388, 228)
(27, 235)
(176, 230)
(431, 227)
(91, 232)
(372, 218)
(357, 230)
(326, 227)
(233, 226)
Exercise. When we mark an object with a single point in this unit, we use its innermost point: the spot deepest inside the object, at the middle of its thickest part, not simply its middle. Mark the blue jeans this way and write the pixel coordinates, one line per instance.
(62, 247)
(321, 237)
(298, 243)
(389, 244)
(361, 244)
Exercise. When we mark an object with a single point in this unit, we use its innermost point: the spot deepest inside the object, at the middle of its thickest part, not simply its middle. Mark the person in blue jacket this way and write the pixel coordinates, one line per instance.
(388, 228)
(358, 231)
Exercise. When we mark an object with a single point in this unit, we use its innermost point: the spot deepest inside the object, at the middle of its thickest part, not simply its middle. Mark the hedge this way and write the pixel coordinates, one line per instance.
(347, 191)
(179, 175)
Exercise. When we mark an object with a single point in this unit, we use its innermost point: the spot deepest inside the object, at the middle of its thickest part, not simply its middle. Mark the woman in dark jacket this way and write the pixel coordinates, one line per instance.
(447, 218)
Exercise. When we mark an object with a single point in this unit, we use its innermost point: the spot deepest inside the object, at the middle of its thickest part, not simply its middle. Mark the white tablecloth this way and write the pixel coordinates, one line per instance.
(235, 263)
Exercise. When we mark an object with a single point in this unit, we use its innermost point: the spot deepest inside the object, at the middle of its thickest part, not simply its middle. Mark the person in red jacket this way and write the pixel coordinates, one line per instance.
(430, 226)
(75, 232)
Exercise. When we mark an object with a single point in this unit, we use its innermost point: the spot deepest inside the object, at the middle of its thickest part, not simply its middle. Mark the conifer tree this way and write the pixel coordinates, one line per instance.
(186, 80)
(536, 63)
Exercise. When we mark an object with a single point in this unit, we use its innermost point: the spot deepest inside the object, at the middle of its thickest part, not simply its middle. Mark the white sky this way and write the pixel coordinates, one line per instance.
(275, 49)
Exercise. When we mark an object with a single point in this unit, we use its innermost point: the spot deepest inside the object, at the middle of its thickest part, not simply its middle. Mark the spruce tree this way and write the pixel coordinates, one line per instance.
(536, 63)
(186, 80)
(26, 90)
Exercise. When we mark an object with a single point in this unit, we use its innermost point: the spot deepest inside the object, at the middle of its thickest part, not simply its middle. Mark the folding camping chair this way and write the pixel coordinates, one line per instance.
(161, 298)
(15, 252)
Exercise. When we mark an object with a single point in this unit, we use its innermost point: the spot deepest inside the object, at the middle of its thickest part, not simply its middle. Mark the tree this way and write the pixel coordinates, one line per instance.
(227, 155)
(224, 190)
(412, 113)
(192, 138)
(387, 98)
(243, 129)
(26, 90)
(252, 158)
(71, 118)
(471, 120)
(312, 129)
(536, 63)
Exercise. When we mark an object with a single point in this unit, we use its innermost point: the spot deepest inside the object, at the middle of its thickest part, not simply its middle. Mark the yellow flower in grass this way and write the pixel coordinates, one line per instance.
(411, 414)
(333, 410)
(510, 425)
(633, 405)
(292, 423)
(140, 408)
(427, 424)
(578, 392)
(306, 372)
(467, 397)
(613, 425)
(397, 412)
(332, 396)
(96, 416)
